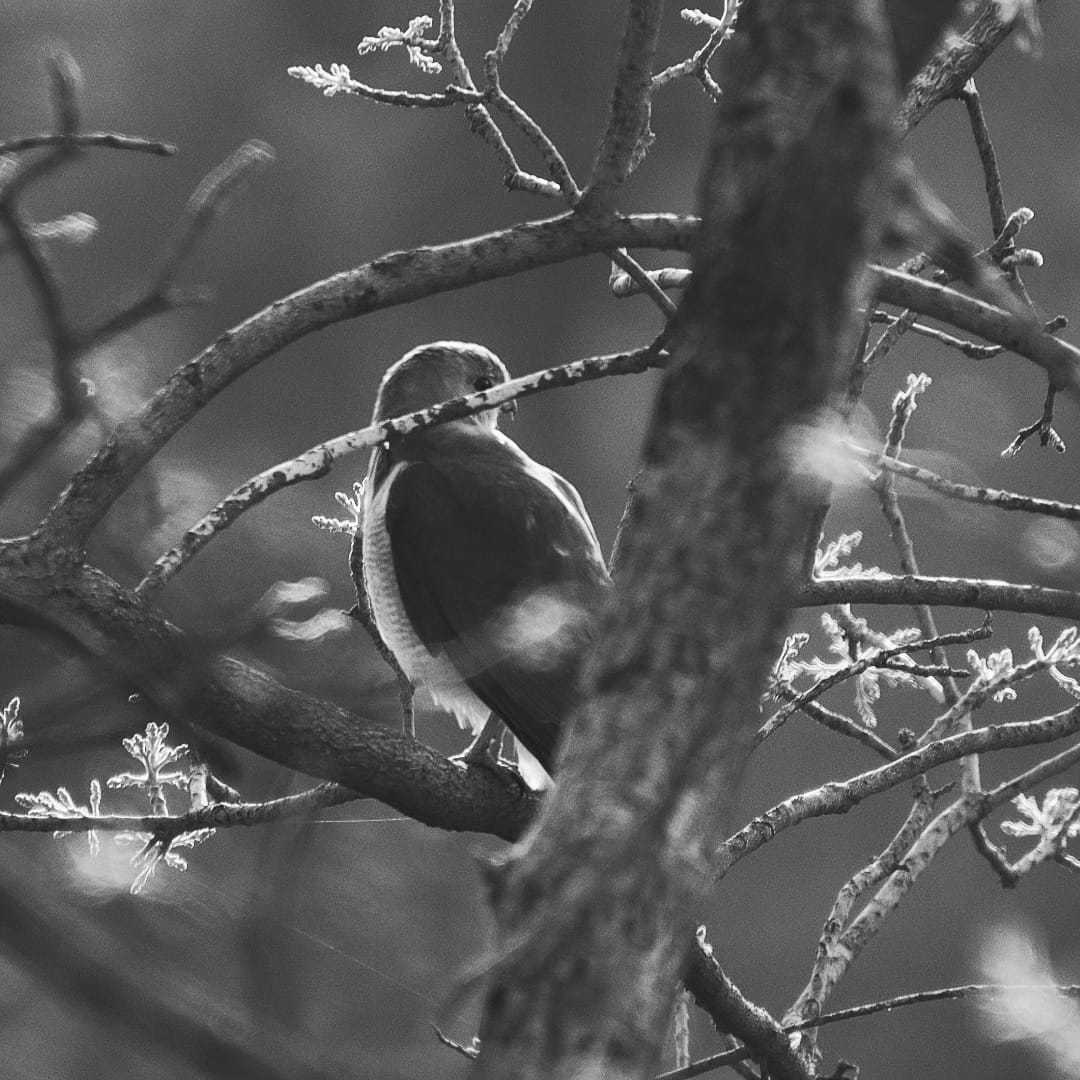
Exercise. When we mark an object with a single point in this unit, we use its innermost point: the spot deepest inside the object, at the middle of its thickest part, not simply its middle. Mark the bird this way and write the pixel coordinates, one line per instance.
(482, 570)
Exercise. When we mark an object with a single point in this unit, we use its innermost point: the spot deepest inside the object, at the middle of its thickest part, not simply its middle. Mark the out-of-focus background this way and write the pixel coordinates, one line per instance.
(351, 935)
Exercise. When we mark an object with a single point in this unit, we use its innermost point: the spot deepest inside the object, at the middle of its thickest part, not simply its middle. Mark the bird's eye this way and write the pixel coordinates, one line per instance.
(482, 382)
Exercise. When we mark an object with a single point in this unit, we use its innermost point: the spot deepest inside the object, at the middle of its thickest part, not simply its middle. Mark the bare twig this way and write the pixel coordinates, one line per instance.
(27, 246)
(838, 797)
(984, 595)
(952, 993)
(923, 997)
(904, 406)
(832, 961)
(970, 349)
(112, 140)
(1024, 336)
(1043, 427)
(881, 657)
(697, 65)
(669, 277)
(827, 718)
(972, 807)
(471, 1052)
(981, 496)
(167, 827)
(969, 95)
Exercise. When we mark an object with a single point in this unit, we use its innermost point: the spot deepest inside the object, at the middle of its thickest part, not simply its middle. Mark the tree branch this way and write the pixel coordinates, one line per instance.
(950, 592)
(628, 119)
(955, 62)
(837, 797)
(140, 649)
(393, 279)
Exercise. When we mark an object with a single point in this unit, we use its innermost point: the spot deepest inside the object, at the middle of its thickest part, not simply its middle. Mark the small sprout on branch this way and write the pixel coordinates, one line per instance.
(828, 559)
(412, 38)
(993, 671)
(1052, 822)
(354, 503)
(153, 752)
(62, 805)
(338, 80)
(156, 851)
(1065, 650)
(11, 736)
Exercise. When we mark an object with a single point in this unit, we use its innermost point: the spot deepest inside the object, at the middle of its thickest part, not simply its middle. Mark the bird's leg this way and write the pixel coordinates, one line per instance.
(486, 749)
(486, 752)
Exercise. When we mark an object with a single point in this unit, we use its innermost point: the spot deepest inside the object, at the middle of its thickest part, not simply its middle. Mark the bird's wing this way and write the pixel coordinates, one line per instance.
(499, 569)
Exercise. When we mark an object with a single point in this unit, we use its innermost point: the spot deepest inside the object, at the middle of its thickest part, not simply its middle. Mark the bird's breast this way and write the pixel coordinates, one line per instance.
(426, 670)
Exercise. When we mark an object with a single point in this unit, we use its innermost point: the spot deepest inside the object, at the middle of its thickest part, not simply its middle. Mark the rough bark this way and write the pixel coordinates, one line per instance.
(136, 648)
(596, 915)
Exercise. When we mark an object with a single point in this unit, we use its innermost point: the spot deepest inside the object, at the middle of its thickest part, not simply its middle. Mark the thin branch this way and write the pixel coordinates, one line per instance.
(643, 281)
(980, 496)
(628, 119)
(970, 349)
(697, 65)
(28, 247)
(922, 997)
(954, 64)
(66, 79)
(221, 815)
(881, 348)
(878, 658)
(827, 718)
(1023, 336)
(733, 1012)
(549, 152)
(904, 406)
(978, 593)
(471, 1052)
(210, 196)
(972, 807)
(969, 95)
(110, 139)
(338, 80)
(831, 961)
(837, 797)
(669, 277)
(393, 279)
(1043, 427)
(506, 35)
(317, 461)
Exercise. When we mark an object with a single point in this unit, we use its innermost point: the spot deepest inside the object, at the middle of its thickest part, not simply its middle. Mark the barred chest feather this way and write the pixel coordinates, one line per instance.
(427, 672)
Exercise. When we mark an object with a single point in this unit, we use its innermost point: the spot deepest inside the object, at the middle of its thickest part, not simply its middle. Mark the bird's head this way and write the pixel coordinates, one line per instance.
(432, 373)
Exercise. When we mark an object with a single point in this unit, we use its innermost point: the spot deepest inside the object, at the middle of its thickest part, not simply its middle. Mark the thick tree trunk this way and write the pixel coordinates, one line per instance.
(597, 912)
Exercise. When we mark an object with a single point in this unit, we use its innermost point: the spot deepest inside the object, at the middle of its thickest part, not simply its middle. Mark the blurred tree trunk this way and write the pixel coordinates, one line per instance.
(597, 912)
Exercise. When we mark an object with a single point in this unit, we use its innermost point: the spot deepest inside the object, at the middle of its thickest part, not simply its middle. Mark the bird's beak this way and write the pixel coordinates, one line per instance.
(509, 408)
